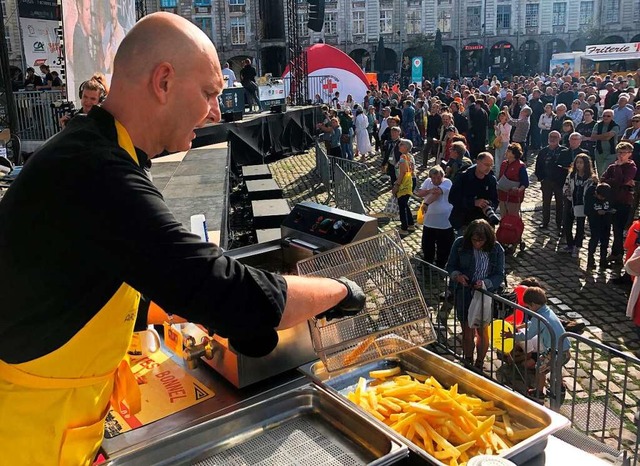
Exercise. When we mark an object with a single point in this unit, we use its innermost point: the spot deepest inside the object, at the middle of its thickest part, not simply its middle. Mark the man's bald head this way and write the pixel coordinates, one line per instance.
(162, 37)
(166, 81)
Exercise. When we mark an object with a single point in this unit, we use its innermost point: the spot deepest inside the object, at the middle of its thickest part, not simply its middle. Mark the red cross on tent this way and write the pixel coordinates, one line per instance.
(329, 86)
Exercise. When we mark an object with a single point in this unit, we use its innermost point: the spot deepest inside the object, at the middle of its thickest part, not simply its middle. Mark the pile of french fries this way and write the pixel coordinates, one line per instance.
(452, 427)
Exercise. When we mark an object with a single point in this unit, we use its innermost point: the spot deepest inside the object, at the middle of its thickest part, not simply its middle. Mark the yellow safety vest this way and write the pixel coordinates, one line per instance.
(52, 408)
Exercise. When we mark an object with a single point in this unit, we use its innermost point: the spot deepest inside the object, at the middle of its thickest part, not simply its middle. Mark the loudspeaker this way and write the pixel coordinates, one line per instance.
(316, 15)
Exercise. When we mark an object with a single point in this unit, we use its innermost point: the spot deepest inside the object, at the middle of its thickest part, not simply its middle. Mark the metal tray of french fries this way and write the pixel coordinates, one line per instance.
(447, 396)
(304, 426)
(395, 317)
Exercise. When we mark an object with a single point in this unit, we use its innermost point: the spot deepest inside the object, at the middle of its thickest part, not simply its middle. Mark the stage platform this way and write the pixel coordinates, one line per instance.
(261, 135)
(197, 181)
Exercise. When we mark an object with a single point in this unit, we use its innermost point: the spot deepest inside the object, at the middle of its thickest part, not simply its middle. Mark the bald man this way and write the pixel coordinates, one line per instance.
(83, 232)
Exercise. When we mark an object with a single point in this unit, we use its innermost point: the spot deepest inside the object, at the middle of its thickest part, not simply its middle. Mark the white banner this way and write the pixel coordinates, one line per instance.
(41, 44)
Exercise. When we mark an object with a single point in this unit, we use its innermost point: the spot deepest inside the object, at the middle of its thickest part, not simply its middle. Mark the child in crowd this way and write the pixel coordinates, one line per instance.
(598, 210)
(535, 299)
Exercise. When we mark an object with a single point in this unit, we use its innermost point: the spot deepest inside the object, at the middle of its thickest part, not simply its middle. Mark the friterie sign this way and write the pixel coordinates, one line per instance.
(612, 49)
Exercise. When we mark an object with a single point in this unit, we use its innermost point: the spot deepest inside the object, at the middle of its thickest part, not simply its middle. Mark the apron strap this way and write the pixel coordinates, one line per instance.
(126, 389)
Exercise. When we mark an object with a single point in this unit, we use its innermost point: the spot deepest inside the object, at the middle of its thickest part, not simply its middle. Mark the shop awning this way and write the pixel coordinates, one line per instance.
(614, 56)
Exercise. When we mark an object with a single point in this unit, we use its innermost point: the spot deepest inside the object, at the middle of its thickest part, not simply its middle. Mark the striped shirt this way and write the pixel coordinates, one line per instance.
(482, 265)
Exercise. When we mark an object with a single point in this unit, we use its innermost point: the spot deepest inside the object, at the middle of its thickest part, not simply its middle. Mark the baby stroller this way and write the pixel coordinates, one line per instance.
(509, 233)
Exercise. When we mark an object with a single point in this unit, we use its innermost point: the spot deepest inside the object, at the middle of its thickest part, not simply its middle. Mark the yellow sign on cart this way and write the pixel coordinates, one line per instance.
(166, 388)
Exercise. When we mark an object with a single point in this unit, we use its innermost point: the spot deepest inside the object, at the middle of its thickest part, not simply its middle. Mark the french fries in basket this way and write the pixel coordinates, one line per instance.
(452, 427)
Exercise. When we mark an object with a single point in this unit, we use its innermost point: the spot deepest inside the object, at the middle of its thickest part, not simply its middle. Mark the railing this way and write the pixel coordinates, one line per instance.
(324, 86)
(597, 389)
(501, 364)
(323, 167)
(602, 396)
(36, 119)
(360, 173)
(346, 193)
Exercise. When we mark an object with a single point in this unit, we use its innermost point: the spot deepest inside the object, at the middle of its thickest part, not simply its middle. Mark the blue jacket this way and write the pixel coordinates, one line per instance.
(462, 261)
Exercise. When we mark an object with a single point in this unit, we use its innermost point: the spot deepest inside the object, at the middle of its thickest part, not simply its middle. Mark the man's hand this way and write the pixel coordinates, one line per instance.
(350, 305)
(481, 203)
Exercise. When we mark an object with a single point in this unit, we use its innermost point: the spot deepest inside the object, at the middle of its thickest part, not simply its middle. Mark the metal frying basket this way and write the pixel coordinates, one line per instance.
(395, 317)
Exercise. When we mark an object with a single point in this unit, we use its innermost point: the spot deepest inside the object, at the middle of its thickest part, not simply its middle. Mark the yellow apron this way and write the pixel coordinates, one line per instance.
(52, 408)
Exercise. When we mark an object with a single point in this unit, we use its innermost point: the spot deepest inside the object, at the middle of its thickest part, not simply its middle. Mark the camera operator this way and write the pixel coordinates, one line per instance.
(474, 194)
(92, 92)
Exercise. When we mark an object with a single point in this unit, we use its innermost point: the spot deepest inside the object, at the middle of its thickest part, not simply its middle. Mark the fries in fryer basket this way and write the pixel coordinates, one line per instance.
(451, 426)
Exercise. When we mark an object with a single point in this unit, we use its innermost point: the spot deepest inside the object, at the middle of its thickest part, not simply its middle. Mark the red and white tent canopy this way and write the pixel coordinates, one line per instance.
(338, 72)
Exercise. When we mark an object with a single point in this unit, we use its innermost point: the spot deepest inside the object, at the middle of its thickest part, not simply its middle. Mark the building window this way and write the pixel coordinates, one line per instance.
(444, 21)
(636, 11)
(586, 13)
(358, 22)
(414, 22)
(202, 3)
(7, 39)
(236, 2)
(386, 21)
(168, 3)
(531, 15)
(303, 18)
(559, 14)
(503, 17)
(612, 11)
(239, 30)
(473, 18)
(331, 23)
(204, 23)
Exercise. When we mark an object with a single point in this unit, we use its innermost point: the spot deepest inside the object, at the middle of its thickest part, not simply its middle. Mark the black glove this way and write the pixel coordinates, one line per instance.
(349, 306)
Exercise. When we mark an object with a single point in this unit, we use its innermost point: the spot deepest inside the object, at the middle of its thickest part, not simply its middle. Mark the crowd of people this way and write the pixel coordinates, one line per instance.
(474, 139)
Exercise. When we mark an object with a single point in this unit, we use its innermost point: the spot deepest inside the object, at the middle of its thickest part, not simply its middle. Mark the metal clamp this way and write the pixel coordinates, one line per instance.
(193, 352)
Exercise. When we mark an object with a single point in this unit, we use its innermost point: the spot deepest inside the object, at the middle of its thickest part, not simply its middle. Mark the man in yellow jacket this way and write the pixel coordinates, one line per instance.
(83, 232)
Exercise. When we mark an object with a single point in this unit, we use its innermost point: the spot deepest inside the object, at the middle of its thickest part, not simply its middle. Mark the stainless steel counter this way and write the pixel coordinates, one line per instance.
(229, 398)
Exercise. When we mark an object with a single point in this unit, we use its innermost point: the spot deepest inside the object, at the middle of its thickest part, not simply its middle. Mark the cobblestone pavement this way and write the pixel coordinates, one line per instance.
(600, 303)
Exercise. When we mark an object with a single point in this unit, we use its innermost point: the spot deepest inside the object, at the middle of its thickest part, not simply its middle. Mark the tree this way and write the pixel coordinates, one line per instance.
(425, 46)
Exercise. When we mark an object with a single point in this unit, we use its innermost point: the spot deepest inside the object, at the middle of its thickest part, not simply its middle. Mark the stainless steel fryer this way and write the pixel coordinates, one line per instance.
(303, 426)
(308, 230)
(422, 361)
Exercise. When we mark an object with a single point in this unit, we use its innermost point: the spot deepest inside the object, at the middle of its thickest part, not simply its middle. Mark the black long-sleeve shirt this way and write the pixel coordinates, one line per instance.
(81, 219)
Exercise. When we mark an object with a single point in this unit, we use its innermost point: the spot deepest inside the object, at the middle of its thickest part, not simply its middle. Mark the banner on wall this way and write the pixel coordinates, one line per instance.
(416, 70)
(40, 39)
(41, 44)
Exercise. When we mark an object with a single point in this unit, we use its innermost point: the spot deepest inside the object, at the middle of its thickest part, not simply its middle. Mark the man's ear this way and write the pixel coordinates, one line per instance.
(162, 81)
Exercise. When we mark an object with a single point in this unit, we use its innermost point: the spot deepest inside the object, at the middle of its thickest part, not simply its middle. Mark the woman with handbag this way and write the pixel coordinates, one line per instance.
(404, 185)
(476, 261)
(501, 141)
(513, 179)
(581, 177)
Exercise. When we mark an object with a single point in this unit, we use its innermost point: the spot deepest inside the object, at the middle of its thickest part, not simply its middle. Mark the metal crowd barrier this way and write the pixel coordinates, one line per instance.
(602, 397)
(346, 193)
(598, 389)
(321, 85)
(36, 121)
(323, 167)
(502, 365)
(360, 173)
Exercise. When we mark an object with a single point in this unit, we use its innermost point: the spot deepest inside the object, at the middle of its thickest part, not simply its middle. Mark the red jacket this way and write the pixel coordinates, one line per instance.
(512, 172)
(621, 179)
